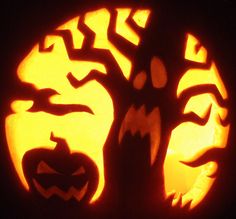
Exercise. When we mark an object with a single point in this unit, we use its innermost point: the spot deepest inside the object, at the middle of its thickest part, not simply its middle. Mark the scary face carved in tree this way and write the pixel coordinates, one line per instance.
(82, 79)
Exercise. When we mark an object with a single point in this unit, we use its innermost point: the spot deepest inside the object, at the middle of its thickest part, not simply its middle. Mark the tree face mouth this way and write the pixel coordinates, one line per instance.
(52, 174)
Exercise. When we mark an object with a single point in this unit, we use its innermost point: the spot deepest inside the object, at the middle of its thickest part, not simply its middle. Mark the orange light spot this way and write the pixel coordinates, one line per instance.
(141, 17)
(140, 80)
(158, 73)
(195, 77)
(77, 36)
(55, 64)
(192, 53)
(123, 28)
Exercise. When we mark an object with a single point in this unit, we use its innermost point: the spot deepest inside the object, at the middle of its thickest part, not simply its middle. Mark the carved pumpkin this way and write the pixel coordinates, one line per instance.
(65, 96)
(92, 82)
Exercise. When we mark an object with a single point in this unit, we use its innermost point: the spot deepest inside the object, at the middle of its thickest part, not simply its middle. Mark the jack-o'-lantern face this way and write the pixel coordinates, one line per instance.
(57, 134)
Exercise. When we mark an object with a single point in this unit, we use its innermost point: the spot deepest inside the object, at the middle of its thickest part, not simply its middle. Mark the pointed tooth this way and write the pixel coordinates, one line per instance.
(186, 205)
(170, 197)
(171, 194)
(177, 202)
(126, 124)
(154, 120)
(79, 194)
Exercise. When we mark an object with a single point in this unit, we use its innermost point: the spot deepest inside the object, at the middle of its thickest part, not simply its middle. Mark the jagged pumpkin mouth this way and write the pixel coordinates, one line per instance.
(76, 191)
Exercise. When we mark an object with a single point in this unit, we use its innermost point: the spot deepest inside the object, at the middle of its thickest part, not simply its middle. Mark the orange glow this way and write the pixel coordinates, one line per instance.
(55, 64)
(195, 77)
(77, 36)
(26, 130)
(192, 53)
(140, 80)
(98, 21)
(141, 17)
(158, 73)
(45, 168)
(189, 140)
(123, 28)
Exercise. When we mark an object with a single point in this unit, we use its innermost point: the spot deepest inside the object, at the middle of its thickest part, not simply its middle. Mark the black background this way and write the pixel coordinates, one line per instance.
(24, 22)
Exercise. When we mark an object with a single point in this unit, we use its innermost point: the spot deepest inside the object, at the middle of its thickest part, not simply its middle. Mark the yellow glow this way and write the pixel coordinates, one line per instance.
(206, 101)
(21, 106)
(189, 140)
(191, 53)
(77, 36)
(123, 28)
(195, 77)
(98, 21)
(201, 136)
(27, 130)
(140, 17)
(55, 64)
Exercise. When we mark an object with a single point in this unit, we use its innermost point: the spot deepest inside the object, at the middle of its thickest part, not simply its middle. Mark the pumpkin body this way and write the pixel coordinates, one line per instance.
(108, 108)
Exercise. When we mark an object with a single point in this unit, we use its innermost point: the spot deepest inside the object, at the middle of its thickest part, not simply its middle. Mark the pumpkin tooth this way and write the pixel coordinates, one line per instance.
(79, 194)
(136, 120)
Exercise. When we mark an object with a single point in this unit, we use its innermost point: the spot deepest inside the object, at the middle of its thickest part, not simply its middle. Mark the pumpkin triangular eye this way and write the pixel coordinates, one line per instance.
(79, 171)
(44, 168)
